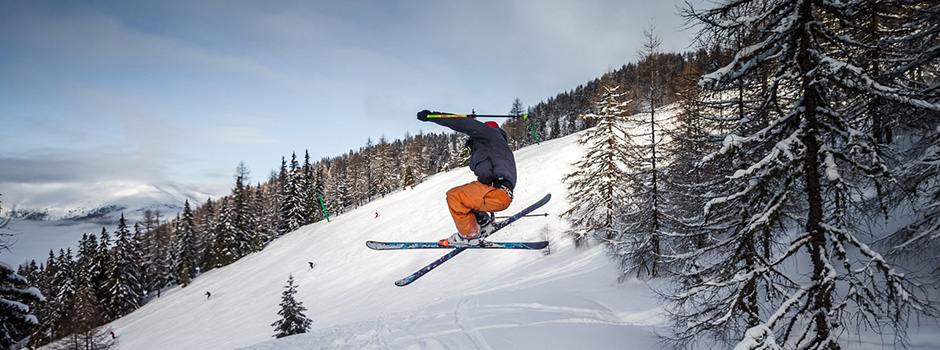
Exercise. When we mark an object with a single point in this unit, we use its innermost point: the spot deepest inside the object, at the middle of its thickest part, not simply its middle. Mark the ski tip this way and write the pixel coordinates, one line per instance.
(404, 281)
(539, 245)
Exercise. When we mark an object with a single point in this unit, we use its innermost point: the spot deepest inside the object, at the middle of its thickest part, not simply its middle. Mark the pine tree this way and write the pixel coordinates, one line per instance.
(795, 160)
(44, 332)
(293, 200)
(123, 288)
(293, 321)
(206, 225)
(317, 193)
(185, 247)
(62, 297)
(309, 190)
(226, 239)
(596, 187)
(16, 294)
(242, 219)
(85, 309)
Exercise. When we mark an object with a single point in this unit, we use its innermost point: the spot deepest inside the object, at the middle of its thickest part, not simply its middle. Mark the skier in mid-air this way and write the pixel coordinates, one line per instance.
(491, 160)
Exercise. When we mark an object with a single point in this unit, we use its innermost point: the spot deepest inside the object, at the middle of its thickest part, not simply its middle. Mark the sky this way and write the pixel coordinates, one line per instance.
(127, 92)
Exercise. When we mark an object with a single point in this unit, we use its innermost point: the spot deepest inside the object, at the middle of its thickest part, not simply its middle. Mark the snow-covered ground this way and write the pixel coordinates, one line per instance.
(568, 299)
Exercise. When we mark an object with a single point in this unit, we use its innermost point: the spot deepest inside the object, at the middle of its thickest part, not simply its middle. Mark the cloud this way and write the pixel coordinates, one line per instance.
(183, 91)
(237, 135)
(76, 166)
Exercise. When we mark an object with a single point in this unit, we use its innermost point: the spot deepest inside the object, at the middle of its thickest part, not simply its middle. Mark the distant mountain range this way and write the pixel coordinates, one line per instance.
(56, 216)
(104, 202)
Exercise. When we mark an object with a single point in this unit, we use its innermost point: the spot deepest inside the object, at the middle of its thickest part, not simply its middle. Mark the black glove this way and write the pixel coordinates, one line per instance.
(423, 115)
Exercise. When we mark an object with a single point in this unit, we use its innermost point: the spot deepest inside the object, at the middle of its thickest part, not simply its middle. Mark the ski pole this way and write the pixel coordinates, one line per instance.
(474, 115)
(532, 127)
(525, 216)
(322, 206)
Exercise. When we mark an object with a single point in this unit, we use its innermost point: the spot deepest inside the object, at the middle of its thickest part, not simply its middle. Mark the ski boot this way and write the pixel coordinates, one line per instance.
(457, 240)
(485, 220)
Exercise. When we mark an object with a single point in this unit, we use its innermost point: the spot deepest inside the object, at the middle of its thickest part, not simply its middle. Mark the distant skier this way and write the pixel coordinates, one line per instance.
(491, 160)
(208, 295)
(376, 214)
(312, 265)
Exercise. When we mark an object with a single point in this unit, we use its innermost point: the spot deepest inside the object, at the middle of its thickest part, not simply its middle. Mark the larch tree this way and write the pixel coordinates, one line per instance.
(646, 222)
(596, 187)
(791, 266)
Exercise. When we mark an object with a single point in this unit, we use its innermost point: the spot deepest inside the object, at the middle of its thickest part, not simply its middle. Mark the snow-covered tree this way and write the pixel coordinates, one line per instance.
(688, 182)
(646, 222)
(206, 226)
(242, 219)
(337, 194)
(800, 164)
(46, 329)
(385, 167)
(293, 197)
(917, 241)
(63, 291)
(596, 187)
(226, 237)
(85, 308)
(123, 287)
(293, 321)
(185, 247)
(311, 204)
(16, 294)
(918, 69)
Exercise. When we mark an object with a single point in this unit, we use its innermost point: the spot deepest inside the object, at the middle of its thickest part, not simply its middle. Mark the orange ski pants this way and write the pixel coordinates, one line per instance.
(463, 199)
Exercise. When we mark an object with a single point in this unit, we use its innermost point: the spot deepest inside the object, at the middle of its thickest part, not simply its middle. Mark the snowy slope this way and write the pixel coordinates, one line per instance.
(568, 299)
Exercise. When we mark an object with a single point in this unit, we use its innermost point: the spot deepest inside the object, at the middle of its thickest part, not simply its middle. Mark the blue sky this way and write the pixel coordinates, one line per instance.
(182, 91)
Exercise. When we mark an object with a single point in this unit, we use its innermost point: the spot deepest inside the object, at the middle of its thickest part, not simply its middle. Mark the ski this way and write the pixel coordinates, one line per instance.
(496, 227)
(435, 245)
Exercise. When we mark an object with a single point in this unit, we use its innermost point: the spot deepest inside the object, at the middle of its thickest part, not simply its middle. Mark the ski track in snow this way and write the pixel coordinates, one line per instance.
(462, 317)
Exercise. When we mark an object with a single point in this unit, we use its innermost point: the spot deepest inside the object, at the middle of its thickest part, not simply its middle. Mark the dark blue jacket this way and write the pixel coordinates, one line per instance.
(491, 158)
